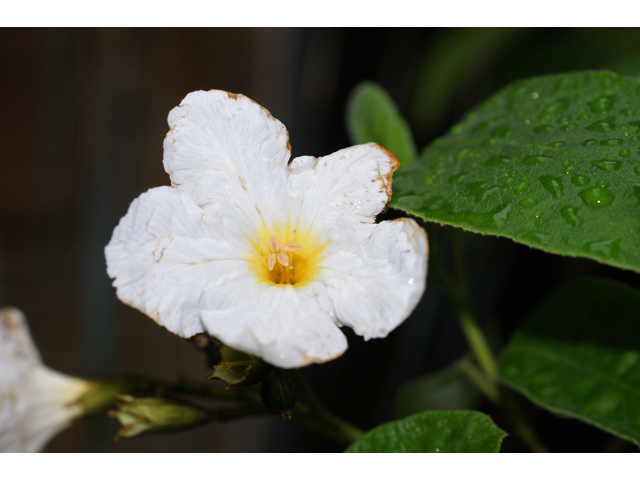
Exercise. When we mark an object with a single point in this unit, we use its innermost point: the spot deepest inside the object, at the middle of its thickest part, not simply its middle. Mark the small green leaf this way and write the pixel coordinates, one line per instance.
(552, 162)
(579, 354)
(373, 117)
(448, 389)
(461, 431)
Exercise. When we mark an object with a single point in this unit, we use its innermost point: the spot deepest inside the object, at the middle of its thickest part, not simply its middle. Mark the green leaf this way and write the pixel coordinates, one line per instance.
(433, 431)
(552, 162)
(448, 389)
(373, 117)
(579, 354)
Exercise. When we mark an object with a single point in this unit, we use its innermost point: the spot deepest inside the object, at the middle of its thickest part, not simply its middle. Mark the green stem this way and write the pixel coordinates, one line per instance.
(182, 385)
(480, 380)
(224, 414)
(523, 427)
(479, 345)
(315, 416)
(311, 414)
(457, 293)
(487, 379)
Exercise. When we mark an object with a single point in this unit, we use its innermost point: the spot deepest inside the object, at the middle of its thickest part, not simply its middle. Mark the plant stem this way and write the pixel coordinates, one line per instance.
(487, 379)
(480, 380)
(314, 415)
(458, 295)
(478, 344)
(523, 428)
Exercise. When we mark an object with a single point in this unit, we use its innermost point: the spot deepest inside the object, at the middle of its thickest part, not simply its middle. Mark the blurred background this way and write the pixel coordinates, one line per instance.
(83, 120)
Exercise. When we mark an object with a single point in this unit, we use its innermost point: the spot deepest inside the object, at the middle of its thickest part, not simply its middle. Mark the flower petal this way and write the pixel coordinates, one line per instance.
(348, 187)
(375, 282)
(225, 149)
(36, 402)
(170, 260)
(282, 325)
(15, 338)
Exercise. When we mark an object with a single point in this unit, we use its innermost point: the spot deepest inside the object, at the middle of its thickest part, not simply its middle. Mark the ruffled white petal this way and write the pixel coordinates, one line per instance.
(172, 260)
(346, 188)
(374, 283)
(283, 325)
(35, 402)
(226, 150)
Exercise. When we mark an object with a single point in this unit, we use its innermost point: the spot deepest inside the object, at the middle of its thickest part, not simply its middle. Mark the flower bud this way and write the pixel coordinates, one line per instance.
(101, 395)
(237, 368)
(139, 415)
(278, 393)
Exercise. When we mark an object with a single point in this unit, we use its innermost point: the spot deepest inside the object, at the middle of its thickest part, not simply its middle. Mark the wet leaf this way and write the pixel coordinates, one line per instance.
(373, 117)
(552, 162)
(579, 354)
(434, 431)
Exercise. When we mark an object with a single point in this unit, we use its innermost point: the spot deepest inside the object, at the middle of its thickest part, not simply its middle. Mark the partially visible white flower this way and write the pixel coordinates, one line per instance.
(268, 256)
(36, 402)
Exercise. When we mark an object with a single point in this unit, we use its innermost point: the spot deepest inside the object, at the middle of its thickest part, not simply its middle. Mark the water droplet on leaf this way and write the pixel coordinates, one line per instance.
(624, 153)
(608, 165)
(580, 180)
(609, 249)
(602, 104)
(570, 215)
(502, 216)
(603, 126)
(597, 197)
(481, 191)
(553, 185)
(528, 202)
(558, 106)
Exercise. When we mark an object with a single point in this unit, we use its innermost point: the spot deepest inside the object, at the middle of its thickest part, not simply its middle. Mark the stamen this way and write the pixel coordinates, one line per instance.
(283, 259)
(273, 244)
(293, 247)
(282, 253)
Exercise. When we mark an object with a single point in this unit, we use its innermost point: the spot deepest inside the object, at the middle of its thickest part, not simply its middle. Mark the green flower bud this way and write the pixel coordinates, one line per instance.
(140, 415)
(279, 394)
(101, 395)
(237, 368)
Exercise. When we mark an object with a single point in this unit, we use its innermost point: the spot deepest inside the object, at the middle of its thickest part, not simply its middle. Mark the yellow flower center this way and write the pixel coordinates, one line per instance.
(284, 256)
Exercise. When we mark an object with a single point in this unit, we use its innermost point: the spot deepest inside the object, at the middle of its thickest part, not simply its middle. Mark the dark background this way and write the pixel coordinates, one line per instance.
(81, 130)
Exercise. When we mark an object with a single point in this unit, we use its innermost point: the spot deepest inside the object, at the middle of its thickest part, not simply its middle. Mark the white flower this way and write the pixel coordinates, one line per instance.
(269, 257)
(36, 402)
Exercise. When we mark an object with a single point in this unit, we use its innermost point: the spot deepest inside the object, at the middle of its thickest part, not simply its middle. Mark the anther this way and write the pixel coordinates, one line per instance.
(278, 253)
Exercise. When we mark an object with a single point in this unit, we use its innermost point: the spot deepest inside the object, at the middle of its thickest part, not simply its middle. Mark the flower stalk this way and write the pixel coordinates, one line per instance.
(315, 415)
(487, 378)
